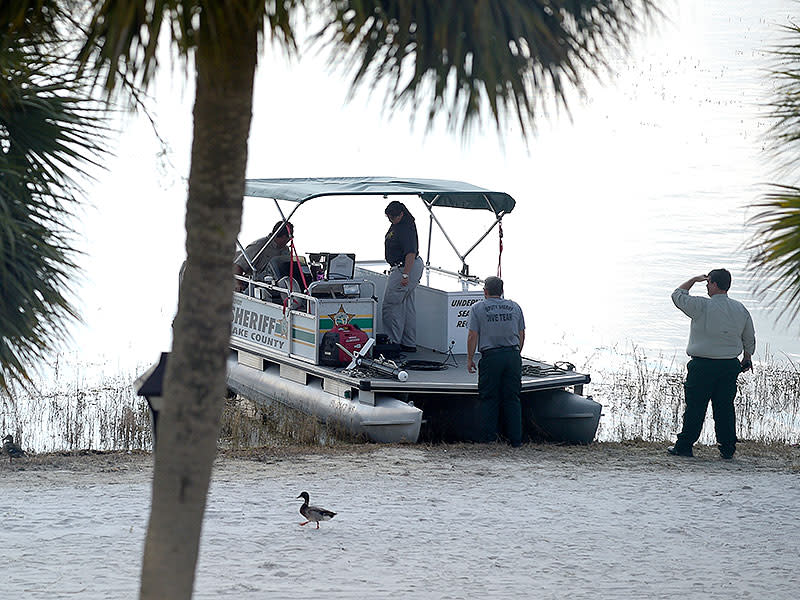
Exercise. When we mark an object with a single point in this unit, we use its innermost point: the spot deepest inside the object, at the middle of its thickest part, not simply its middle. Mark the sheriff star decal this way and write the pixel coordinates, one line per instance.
(341, 316)
(283, 328)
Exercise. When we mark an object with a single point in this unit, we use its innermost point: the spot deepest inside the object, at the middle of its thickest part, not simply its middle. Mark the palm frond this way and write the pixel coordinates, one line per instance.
(783, 108)
(775, 248)
(457, 57)
(32, 19)
(122, 37)
(50, 134)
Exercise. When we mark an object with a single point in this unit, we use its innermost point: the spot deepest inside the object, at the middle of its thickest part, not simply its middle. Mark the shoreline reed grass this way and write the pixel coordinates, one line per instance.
(642, 400)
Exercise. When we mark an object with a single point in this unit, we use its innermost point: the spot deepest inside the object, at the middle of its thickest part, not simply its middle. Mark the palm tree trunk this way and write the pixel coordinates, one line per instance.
(194, 386)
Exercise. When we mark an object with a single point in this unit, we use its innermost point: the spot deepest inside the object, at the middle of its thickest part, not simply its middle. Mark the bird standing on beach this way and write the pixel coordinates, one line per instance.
(12, 449)
(314, 513)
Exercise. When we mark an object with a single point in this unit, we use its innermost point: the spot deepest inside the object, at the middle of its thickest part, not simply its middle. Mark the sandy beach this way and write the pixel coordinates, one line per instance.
(447, 521)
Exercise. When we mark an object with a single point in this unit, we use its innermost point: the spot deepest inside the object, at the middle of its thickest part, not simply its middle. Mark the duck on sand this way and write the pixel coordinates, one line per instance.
(314, 513)
(13, 450)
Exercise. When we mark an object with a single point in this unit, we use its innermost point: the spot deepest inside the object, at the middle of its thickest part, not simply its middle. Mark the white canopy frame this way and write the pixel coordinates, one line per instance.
(464, 272)
(432, 193)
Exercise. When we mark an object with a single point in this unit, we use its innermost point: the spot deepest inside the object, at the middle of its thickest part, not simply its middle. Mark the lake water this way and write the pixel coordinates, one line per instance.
(646, 183)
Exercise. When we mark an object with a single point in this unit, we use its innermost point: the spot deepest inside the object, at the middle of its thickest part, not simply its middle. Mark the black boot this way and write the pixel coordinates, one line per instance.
(678, 451)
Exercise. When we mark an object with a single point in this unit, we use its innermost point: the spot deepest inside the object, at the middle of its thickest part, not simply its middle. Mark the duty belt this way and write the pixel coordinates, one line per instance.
(401, 263)
(498, 349)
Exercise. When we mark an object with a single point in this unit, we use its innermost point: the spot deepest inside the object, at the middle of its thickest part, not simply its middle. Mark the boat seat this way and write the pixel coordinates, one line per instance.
(279, 267)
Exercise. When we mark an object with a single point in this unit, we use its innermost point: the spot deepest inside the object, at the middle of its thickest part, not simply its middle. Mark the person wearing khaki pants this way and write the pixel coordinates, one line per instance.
(401, 250)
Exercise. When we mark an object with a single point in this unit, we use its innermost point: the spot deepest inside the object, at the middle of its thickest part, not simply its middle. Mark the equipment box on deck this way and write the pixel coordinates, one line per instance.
(431, 303)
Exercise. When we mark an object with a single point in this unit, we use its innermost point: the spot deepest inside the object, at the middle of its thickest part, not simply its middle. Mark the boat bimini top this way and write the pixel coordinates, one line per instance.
(433, 193)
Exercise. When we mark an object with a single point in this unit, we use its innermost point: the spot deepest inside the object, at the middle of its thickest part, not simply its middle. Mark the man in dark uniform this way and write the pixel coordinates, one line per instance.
(721, 330)
(401, 249)
(497, 329)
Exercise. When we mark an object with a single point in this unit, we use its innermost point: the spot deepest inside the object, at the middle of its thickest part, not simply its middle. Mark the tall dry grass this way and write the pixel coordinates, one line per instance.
(247, 425)
(74, 416)
(105, 416)
(643, 399)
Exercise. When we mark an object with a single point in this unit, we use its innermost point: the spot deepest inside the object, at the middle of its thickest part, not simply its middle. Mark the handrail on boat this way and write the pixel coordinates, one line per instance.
(307, 315)
(271, 287)
(335, 282)
(457, 275)
(310, 299)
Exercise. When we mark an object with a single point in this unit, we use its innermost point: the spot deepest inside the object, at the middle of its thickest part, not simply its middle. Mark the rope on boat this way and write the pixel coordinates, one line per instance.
(500, 252)
(558, 368)
(363, 373)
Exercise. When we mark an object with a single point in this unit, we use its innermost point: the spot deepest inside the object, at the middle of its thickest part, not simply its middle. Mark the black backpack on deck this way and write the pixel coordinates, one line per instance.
(383, 347)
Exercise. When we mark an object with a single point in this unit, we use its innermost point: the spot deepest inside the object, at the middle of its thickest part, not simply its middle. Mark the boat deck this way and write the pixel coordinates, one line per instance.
(454, 379)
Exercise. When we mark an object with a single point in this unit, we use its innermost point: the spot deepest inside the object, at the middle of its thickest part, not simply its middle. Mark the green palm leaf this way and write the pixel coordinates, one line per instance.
(49, 136)
(123, 35)
(775, 248)
(464, 58)
(775, 245)
(501, 58)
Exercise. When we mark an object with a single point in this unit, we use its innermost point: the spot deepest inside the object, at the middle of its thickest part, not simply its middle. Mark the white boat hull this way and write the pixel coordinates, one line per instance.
(382, 418)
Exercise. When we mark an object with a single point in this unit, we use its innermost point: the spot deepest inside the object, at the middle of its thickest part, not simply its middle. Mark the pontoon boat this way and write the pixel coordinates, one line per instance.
(279, 322)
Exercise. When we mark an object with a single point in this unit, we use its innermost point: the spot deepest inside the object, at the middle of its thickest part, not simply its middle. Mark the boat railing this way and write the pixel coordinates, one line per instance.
(454, 274)
(269, 319)
(460, 276)
(265, 290)
(348, 287)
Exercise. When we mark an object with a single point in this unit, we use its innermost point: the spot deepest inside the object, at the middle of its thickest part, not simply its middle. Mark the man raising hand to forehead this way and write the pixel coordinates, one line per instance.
(721, 330)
